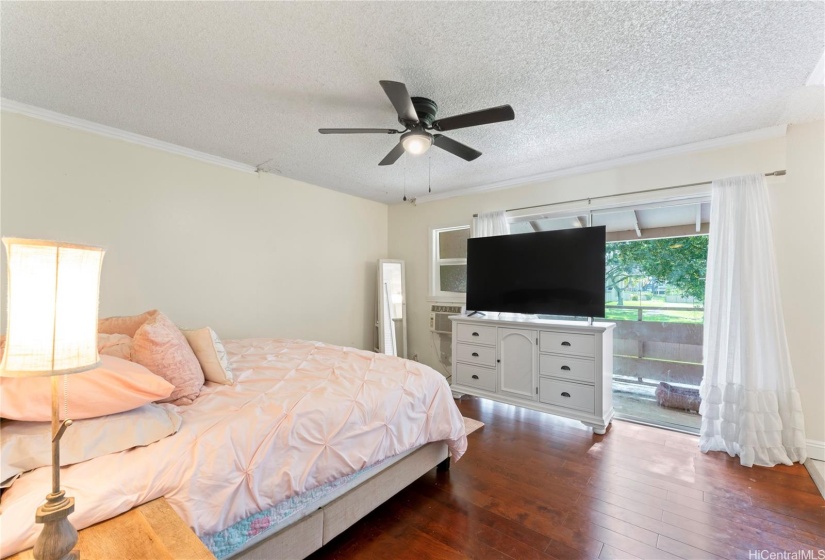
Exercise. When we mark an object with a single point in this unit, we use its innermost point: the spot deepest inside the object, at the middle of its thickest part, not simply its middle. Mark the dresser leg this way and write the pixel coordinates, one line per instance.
(598, 429)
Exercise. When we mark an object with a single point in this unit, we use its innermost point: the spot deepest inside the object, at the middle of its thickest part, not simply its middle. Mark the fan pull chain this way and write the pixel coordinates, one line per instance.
(430, 172)
(405, 177)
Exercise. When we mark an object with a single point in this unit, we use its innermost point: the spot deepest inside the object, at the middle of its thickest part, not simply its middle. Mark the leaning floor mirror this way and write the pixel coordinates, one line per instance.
(392, 308)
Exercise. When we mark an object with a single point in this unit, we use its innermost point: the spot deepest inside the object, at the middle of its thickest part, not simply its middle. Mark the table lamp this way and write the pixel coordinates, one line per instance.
(53, 291)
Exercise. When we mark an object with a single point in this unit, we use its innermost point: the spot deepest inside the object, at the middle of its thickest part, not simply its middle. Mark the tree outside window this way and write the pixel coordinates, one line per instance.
(665, 272)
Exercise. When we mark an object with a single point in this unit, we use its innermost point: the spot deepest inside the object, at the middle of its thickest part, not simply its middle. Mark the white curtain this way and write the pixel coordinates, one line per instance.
(750, 406)
(487, 224)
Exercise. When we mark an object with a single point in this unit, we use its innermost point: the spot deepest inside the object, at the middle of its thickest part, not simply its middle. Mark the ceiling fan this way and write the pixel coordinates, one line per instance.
(417, 116)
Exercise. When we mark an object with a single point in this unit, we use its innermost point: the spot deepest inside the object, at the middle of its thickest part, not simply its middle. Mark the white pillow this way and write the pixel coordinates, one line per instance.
(211, 354)
(27, 445)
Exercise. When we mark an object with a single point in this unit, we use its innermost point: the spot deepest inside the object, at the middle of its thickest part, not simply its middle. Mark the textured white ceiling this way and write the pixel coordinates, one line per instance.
(253, 82)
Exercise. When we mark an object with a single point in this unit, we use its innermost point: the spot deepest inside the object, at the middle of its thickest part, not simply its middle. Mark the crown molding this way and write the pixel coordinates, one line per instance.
(715, 143)
(67, 121)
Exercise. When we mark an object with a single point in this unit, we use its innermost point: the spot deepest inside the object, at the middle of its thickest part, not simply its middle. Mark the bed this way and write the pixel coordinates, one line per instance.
(310, 438)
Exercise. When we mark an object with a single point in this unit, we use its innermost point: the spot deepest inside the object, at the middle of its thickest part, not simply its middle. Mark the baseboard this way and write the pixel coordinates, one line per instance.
(816, 449)
(817, 472)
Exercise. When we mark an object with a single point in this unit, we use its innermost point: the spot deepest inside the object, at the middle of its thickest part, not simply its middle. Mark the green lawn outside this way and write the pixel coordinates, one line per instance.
(676, 312)
(669, 316)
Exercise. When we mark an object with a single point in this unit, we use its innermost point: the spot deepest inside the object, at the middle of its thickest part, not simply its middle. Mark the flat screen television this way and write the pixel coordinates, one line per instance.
(550, 272)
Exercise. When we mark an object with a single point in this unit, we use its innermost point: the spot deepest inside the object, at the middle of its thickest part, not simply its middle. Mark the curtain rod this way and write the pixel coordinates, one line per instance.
(589, 199)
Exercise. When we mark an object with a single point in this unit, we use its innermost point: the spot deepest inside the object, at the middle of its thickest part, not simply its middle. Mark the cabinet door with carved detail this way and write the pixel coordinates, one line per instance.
(517, 362)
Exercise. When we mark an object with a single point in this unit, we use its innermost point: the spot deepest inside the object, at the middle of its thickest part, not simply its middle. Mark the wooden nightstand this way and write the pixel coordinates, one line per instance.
(152, 531)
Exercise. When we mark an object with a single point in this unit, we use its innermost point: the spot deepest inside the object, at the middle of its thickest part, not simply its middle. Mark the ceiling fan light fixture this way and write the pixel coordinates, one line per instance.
(416, 142)
(417, 116)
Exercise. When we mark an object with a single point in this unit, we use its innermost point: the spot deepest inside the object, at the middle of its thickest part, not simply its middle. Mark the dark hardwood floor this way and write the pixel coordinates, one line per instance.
(536, 486)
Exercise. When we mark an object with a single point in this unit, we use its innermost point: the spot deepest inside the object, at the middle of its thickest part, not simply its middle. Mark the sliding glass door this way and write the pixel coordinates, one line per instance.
(654, 292)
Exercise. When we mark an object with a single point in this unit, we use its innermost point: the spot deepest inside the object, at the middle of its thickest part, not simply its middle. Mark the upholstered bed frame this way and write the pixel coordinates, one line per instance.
(317, 526)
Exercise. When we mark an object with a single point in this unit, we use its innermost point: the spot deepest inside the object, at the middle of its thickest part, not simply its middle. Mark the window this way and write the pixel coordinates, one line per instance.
(630, 222)
(659, 280)
(549, 223)
(449, 263)
(679, 217)
(656, 263)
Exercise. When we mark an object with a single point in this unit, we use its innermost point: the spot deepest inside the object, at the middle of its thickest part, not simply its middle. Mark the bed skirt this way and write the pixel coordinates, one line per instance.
(315, 524)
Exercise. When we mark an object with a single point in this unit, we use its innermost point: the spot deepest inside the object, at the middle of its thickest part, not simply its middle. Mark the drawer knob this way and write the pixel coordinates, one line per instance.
(565, 394)
(475, 377)
(565, 343)
(565, 368)
(475, 354)
(475, 334)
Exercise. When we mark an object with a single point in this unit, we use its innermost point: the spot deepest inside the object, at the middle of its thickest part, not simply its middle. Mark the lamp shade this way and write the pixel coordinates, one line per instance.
(53, 292)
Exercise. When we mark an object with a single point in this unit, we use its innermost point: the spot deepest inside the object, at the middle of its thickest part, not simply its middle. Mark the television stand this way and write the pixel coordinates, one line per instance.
(479, 313)
(559, 367)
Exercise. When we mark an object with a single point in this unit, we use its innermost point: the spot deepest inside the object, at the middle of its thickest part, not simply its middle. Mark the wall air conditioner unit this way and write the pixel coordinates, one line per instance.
(439, 318)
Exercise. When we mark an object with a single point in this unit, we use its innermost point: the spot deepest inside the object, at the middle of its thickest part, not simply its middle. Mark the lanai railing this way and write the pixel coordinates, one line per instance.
(653, 351)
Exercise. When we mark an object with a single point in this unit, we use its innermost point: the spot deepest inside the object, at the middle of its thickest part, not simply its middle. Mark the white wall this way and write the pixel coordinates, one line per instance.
(799, 210)
(799, 233)
(246, 254)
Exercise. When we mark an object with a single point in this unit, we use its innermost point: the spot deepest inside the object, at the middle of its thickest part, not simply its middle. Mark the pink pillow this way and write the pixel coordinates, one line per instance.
(117, 345)
(116, 386)
(124, 325)
(160, 346)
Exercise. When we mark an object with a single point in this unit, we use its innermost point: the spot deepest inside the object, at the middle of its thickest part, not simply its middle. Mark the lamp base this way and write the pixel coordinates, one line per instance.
(58, 537)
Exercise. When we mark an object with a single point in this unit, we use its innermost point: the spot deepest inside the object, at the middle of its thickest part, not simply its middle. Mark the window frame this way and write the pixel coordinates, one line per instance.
(436, 294)
(590, 211)
(698, 196)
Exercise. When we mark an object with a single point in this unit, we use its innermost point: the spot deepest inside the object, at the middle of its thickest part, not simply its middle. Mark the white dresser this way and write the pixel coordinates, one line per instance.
(561, 367)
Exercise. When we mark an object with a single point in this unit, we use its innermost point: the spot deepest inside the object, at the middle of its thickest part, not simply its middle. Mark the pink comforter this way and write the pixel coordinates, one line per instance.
(300, 415)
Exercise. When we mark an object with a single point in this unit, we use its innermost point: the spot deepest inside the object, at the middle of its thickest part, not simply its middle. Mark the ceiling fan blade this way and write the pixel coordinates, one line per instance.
(455, 148)
(394, 154)
(476, 118)
(400, 99)
(357, 131)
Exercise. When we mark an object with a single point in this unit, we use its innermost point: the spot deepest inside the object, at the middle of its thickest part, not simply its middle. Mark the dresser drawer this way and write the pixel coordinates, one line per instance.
(567, 394)
(566, 343)
(567, 367)
(481, 355)
(475, 376)
(478, 334)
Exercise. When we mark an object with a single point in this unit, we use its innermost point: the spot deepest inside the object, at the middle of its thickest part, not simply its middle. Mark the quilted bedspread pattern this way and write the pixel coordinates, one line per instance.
(301, 414)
